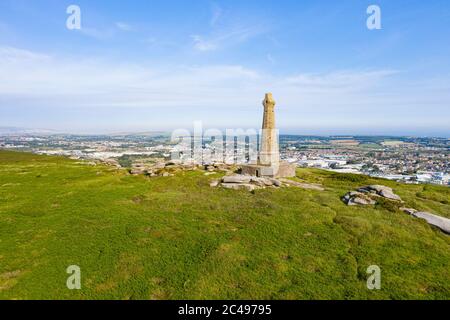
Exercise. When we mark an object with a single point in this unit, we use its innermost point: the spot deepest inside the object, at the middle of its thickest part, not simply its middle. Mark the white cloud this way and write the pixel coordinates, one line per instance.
(340, 80)
(99, 34)
(270, 58)
(124, 26)
(353, 96)
(226, 37)
(203, 45)
(12, 55)
(216, 14)
(227, 31)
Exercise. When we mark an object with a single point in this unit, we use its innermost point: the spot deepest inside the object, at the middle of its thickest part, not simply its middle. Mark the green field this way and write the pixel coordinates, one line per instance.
(136, 237)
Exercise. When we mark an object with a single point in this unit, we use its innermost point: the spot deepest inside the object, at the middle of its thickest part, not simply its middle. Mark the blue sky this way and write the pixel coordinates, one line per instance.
(160, 65)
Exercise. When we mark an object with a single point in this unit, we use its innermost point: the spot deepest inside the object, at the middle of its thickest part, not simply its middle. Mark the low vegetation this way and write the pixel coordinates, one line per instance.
(138, 237)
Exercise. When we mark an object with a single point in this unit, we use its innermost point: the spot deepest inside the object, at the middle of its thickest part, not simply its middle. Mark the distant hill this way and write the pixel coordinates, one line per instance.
(143, 134)
(24, 131)
(5, 131)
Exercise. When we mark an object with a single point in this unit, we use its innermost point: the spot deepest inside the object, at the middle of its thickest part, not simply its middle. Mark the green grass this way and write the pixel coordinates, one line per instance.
(136, 237)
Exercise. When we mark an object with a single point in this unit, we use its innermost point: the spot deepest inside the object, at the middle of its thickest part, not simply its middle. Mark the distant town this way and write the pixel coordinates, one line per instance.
(404, 159)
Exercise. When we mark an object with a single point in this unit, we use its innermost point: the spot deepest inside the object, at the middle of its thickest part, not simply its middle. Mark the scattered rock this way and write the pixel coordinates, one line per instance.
(238, 178)
(189, 167)
(390, 195)
(137, 171)
(214, 183)
(239, 181)
(276, 182)
(173, 166)
(368, 195)
(408, 210)
(112, 162)
(262, 182)
(437, 221)
(173, 163)
(354, 198)
(383, 191)
(239, 186)
(364, 196)
(158, 165)
(210, 168)
(361, 201)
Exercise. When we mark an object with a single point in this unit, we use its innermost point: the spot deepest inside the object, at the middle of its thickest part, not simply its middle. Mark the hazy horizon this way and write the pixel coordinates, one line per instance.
(214, 60)
(8, 130)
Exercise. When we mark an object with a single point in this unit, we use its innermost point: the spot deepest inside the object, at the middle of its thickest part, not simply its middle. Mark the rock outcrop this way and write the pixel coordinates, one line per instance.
(238, 178)
(368, 195)
(239, 181)
(250, 183)
(169, 168)
(214, 183)
(239, 186)
(432, 219)
(354, 198)
(383, 191)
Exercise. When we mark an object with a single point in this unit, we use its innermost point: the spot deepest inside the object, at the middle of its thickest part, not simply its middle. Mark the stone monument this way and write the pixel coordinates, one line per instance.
(269, 164)
(269, 154)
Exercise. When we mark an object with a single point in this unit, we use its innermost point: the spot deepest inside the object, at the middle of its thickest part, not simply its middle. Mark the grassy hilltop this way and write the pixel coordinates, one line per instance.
(136, 237)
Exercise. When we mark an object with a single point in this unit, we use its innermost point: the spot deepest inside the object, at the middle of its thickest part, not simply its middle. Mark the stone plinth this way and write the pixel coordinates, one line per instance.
(269, 164)
(283, 170)
(286, 170)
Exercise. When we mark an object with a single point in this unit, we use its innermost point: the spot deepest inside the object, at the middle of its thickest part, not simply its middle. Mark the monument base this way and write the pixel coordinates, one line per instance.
(283, 170)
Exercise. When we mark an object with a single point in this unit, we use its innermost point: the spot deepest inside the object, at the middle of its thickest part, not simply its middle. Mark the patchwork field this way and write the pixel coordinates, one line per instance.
(136, 237)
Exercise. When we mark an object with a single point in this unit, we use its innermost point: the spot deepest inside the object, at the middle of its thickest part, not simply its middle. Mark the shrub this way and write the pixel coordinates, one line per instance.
(389, 205)
(349, 177)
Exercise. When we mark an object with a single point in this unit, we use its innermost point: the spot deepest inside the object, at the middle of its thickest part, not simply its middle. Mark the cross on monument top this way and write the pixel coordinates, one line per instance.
(268, 100)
